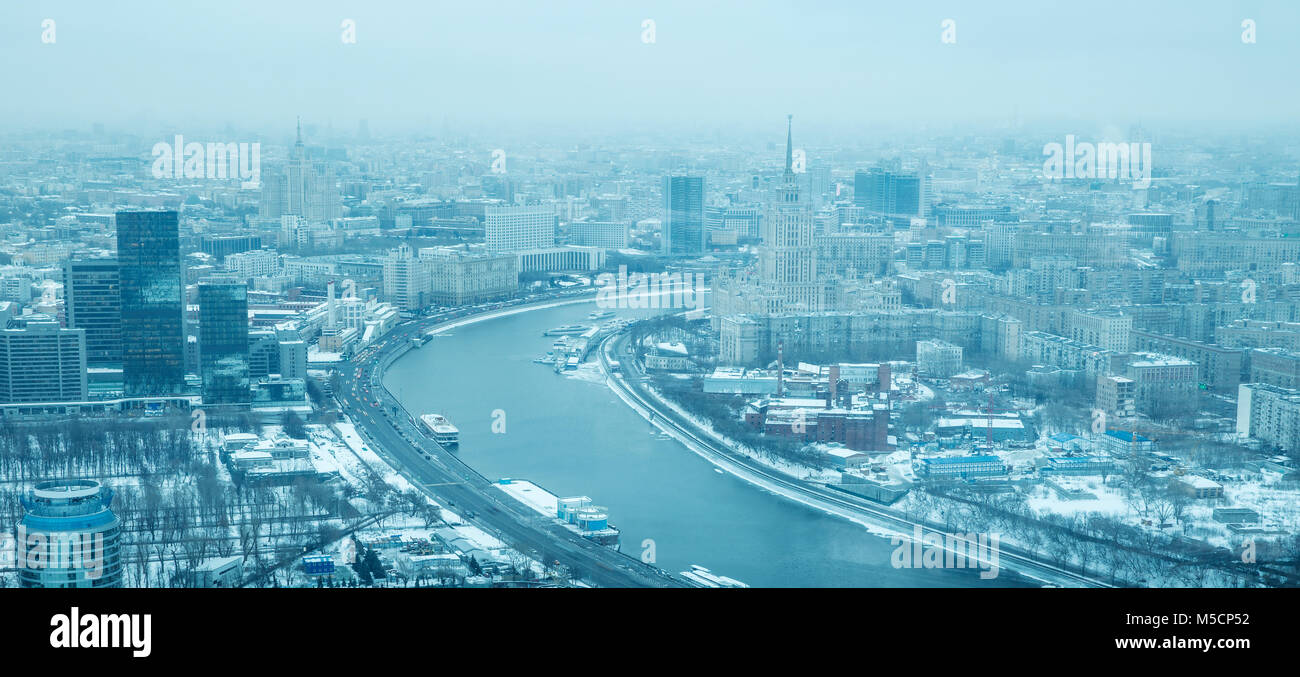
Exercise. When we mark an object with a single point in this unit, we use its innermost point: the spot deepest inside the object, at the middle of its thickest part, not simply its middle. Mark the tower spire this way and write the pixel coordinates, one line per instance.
(791, 188)
(789, 144)
(299, 130)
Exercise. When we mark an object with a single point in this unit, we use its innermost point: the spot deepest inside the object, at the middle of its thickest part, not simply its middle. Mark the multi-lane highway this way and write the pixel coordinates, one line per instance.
(394, 433)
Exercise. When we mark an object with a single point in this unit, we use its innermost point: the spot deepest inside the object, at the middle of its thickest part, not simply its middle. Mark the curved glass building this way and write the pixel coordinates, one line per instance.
(69, 537)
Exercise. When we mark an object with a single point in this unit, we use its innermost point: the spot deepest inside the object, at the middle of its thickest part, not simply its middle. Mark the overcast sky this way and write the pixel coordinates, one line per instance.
(553, 64)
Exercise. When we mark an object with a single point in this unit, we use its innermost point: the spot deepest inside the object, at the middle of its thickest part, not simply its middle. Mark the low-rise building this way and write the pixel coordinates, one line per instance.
(1079, 465)
(218, 572)
(960, 467)
(938, 359)
(1120, 443)
(668, 356)
(1197, 487)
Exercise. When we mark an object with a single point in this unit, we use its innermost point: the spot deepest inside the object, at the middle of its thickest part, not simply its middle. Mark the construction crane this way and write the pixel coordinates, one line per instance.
(991, 390)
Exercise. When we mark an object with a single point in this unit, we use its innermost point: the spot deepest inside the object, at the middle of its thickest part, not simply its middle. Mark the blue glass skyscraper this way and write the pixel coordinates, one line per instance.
(153, 333)
(223, 341)
(683, 227)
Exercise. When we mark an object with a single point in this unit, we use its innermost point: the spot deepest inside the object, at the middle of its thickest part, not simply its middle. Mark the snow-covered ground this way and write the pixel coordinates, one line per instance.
(1108, 501)
(357, 459)
(531, 495)
(588, 372)
(368, 458)
(788, 467)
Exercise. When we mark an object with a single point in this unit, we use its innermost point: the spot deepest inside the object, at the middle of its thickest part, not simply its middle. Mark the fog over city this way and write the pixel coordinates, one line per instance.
(852, 70)
(912, 309)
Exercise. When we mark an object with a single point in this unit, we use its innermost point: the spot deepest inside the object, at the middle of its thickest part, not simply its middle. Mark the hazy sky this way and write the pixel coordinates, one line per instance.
(583, 65)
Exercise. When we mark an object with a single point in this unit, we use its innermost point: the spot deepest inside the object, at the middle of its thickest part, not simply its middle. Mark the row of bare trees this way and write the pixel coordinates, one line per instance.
(1106, 546)
(177, 506)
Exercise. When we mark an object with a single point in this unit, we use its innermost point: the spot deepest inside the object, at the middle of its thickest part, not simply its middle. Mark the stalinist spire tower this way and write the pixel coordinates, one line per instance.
(301, 187)
(790, 188)
(299, 151)
(788, 261)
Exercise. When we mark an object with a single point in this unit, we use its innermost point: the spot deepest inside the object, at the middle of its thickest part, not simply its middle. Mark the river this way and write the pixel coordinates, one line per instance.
(573, 436)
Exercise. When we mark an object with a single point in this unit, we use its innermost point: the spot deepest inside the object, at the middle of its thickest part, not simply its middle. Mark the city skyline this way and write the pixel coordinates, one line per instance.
(924, 304)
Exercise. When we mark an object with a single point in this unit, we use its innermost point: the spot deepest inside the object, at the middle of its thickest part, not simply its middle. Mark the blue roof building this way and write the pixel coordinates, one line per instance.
(960, 467)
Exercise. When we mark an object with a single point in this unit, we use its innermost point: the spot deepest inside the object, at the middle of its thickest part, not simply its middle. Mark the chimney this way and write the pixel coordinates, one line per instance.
(329, 308)
(834, 383)
(780, 368)
(883, 377)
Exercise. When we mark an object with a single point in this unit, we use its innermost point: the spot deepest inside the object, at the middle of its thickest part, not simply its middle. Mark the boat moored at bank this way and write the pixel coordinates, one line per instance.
(441, 430)
(701, 577)
(566, 330)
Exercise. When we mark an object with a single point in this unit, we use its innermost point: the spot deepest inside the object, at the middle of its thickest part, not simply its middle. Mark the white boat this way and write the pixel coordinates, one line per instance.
(441, 430)
(565, 330)
(600, 315)
(702, 577)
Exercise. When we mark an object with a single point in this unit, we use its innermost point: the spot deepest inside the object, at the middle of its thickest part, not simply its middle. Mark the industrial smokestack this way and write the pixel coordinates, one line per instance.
(329, 308)
(780, 368)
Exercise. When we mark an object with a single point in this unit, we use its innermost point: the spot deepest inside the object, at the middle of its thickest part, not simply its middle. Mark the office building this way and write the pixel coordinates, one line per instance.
(1275, 367)
(149, 272)
(221, 246)
(457, 278)
(890, 192)
(1115, 396)
(263, 354)
(93, 302)
(42, 362)
(938, 359)
(257, 263)
(854, 254)
(516, 228)
(604, 234)
(1106, 329)
(224, 342)
(571, 259)
(683, 228)
(1161, 380)
(406, 280)
(1218, 367)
